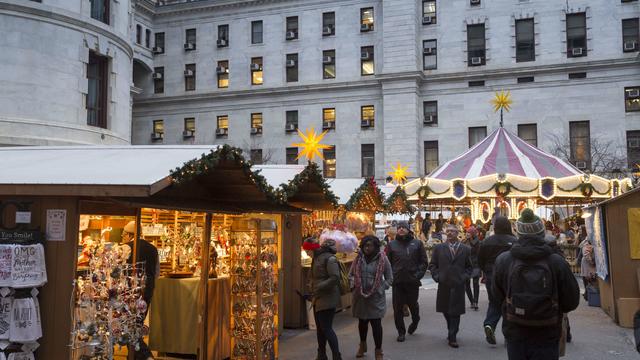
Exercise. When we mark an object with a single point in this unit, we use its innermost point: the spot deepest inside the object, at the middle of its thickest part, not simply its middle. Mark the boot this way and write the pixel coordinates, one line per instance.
(322, 355)
(379, 354)
(362, 349)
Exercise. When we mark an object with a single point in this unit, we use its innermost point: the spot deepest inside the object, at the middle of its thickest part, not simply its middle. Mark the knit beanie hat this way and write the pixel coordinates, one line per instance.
(529, 223)
(403, 224)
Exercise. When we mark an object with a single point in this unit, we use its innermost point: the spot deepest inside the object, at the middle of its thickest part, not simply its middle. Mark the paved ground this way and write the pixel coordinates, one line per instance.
(595, 336)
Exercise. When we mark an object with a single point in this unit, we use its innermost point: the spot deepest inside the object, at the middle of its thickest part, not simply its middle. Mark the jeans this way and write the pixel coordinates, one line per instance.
(453, 325)
(493, 311)
(402, 294)
(533, 350)
(376, 328)
(325, 333)
(475, 295)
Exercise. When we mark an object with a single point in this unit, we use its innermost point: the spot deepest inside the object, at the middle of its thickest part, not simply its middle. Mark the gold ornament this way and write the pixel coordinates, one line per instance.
(399, 173)
(502, 100)
(311, 144)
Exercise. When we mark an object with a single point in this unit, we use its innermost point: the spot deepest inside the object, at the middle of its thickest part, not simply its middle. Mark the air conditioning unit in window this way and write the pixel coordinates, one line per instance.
(291, 63)
(188, 73)
(221, 70)
(187, 134)
(366, 123)
(157, 50)
(291, 35)
(476, 60)
(474, 2)
(633, 93)
(429, 50)
(365, 27)
(255, 67)
(327, 60)
(222, 131)
(365, 55)
(291, 127)
(222, 43)
(426, 20)
(256, 130)
(156, 76)
(326, 125)
(327, 30)
(582, 165)
(430, 119)
(634, 143)
(577, 52)
(630, 46)
(156, 136)
(189, 46)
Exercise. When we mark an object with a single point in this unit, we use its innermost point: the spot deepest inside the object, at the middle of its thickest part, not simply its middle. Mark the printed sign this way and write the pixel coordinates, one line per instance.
(23, 217)
(28, 267)
(56, 224)
(6, 255)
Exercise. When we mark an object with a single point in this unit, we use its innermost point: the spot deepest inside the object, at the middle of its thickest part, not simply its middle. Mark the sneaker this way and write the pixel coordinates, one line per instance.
(400, 338)
(490, 335)
(412, 328)
(454, 344)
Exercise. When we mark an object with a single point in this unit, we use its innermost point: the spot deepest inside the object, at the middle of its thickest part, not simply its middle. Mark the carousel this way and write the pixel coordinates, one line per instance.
(505, 174)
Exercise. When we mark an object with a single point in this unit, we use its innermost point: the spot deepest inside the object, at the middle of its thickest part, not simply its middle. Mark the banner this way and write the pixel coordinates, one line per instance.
(597, 235)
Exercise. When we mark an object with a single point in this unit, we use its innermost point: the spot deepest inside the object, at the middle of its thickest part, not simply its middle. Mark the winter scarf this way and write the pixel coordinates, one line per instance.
(356, 269)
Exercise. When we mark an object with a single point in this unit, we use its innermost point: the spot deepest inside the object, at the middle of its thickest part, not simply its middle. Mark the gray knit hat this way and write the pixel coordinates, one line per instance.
(529, 223)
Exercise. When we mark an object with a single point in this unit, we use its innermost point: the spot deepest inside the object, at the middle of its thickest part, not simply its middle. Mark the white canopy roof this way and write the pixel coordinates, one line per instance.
(277, 175)
(344, 188)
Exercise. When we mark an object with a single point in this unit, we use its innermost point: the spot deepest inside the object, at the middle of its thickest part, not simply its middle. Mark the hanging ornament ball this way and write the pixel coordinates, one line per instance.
(141, 305)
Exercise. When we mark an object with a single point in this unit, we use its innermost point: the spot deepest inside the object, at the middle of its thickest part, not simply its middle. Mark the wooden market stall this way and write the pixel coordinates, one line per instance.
(78, 194)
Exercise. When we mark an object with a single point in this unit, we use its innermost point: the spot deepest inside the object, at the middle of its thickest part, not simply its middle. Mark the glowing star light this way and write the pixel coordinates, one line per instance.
(502, 100)
(311, 144)
(399, 173)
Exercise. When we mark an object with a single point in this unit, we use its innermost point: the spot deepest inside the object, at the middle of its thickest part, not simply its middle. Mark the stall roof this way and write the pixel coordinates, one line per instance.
(345, 187)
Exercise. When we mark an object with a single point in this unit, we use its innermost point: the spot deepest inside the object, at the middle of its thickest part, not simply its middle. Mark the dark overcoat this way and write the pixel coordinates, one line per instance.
(451, 274)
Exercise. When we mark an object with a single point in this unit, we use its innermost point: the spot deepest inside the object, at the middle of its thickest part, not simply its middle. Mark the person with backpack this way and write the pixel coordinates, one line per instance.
(535, 287)
(490, 249)
(408, 259)
(370, 276)
(451, 268)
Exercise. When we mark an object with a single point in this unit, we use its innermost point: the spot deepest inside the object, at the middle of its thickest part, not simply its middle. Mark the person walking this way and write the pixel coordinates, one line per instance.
(451, 268)
(370, 276)
(537, 288)
(325, 290)
(587, 262)
(409, 262)
(473, 242)
(440, 222)
(426, 226)
(490, 249)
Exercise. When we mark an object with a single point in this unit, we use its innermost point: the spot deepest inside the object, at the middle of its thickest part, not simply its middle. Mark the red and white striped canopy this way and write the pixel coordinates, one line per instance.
(504, 153)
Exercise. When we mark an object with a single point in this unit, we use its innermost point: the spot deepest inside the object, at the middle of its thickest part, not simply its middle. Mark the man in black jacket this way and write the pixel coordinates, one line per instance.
(531, 334)
(490, 248)
(409, 263)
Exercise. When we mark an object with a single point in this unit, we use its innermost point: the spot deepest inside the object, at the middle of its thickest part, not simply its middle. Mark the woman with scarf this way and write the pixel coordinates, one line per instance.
(370, 276)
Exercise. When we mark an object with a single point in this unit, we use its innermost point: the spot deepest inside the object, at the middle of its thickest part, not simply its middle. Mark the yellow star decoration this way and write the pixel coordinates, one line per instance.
(399, 173)
(311, 144)
(502, 100)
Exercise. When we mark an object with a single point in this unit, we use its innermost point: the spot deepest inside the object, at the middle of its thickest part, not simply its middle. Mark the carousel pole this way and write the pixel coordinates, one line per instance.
(501, 118)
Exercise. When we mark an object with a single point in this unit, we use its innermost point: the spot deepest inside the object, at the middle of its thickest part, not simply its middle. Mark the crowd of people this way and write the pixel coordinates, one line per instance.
(530, 284)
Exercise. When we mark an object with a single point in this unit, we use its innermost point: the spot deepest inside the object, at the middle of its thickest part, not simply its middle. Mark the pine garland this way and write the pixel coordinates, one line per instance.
(398, 203)
(368, 190)
(310, 173)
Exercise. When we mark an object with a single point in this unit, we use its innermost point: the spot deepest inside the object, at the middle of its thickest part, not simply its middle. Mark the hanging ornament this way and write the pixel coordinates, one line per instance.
(311, 144)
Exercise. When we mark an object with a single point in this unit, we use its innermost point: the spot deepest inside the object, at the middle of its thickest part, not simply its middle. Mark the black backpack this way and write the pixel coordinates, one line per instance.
(532, 294)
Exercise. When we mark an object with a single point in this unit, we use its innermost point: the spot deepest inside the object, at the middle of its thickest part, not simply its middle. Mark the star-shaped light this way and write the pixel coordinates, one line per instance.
(311, 144)
(502, 100)
(399, 173)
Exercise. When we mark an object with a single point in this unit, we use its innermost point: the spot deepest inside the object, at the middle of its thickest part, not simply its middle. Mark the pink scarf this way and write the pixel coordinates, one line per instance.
(356, 270)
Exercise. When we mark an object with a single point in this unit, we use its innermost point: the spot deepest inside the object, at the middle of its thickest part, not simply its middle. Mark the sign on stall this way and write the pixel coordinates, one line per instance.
(56, 224)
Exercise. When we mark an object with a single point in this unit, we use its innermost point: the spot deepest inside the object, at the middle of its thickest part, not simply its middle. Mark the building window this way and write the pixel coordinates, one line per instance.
(292, 28)
(98, 85)
(256, 32)
(576, 35)
(367, 66)
(429, 57)
(525, 41)
(158, 80)
(291, 121)
(292, 67)
(476, 45)
(429, 12)
(256, 71)
(328, 23)
(578, 75)
(329, 64)
(525, 79)
(159, 43)
(256, 123)
(189, 128)
(147, 38)
(430, 109)
(222, 71)
(367, 116)
(633, 149)
(632, 99)
(328, 118)
(292, 156)
(580, 144)
(222, 128)
(189, 77)
(100, 10)
(223, 35)
(138, 34)
(256, 156)
(630, 35)
(430, 156)
(190, 40)
(366, 19)
(476, 83)
(158, 130)
(476, 134)
(368, 160)
(528, 133)
(329, 163)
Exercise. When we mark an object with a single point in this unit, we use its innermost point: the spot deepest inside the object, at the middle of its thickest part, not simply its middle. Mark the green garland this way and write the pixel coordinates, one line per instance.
(368, 185)
(207, 162)
(586, 188)
(310, 173)
(509, 187)
(399, 195)
(429, 191)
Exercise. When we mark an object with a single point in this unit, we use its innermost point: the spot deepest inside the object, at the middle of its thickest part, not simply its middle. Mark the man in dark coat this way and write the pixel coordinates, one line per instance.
(490, 248)
(451, 268)
(535, 339)
(409, 263)
(426, 226)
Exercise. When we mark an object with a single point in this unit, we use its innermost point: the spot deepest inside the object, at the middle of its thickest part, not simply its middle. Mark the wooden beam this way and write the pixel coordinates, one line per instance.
(73, 190)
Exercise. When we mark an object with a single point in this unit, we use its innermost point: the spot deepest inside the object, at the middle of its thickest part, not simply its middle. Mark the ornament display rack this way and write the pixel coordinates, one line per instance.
(254, 289)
